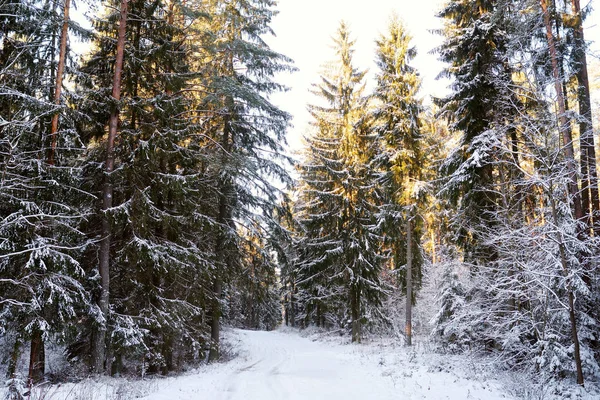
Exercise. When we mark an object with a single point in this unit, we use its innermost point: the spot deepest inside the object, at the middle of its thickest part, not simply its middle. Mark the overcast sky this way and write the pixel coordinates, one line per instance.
(304, 29)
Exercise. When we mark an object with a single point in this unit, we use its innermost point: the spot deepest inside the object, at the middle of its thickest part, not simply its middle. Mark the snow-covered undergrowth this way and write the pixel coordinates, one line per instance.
(425, 372)
(76, 386)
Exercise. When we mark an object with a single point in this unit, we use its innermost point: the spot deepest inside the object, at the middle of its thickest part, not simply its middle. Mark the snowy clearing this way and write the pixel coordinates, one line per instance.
(284, 365)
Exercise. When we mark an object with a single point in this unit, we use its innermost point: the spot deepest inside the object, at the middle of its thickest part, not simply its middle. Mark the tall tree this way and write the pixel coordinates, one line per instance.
(567, 140)
(246, 130)
(99, 356)
(475, 48)
(39, 271)
(338, 196)
(160, 194)
(400, 159)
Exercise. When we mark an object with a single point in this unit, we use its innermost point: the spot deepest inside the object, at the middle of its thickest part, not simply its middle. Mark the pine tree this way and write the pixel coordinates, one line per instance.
(401, 158)
(40, 274)
(338, 197)
(246, 132)
(158, 259)
(475, 48)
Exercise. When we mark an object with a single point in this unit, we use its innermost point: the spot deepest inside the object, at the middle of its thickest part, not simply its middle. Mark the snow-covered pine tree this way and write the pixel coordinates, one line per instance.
(244, 131)
(339, 252)
(253, 297)
(40, 276)
(400, 158)
(474, 48)
(483, 173)
(159, 219)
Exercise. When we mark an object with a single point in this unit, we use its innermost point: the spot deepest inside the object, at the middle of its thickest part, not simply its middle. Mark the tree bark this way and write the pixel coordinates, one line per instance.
(588, 150)
(107, 199)
(59, 79)
(565, 267)
(562, 118)
(37, 358)
(408, 325)
(355, 311)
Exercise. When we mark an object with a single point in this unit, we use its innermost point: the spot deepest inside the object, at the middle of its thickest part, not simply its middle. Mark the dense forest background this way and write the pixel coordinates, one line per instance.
(146, 197)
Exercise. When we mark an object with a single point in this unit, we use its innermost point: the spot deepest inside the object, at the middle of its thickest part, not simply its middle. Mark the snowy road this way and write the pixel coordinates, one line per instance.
(285, 366)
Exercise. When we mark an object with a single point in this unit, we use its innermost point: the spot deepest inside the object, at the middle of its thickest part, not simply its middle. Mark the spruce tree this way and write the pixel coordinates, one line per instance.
(339, 259)
(245, 131)
(475, 48)
(40, 274)
(401, 157)
(158, 257)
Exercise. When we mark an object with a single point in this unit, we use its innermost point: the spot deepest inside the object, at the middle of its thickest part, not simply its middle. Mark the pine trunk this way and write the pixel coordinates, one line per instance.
(14, 359)
(562, 118)
(572, 316)
(408, 326)
(37, 358)
(292, 308)
(107, 199)
(355, 306)
(588, 151)
(58, 83)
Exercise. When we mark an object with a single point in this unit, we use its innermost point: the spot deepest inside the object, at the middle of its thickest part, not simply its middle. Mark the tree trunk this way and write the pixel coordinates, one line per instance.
(572, 171)
(215, 327)
(588, 150)
(14, 359)
(37, 357)
(562, 118)
(58, 83)
(565, 267)
(223, 220)
(292, 307)
(107, 200)
(355, 310)
(408, 326)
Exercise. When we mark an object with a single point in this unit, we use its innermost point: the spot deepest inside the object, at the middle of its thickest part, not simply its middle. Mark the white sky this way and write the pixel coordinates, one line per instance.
(304, 29)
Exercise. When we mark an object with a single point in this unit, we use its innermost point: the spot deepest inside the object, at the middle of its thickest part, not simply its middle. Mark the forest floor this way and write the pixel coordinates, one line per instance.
(288, 365)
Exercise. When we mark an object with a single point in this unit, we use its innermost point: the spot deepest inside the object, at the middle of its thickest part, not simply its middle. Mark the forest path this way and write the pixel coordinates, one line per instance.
(285, 366)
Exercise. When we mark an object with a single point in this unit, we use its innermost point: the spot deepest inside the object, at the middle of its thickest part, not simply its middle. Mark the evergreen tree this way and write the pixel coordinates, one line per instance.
(339, 254)
(40, 275)
(158, 257)
(246, 133)
(475, 48)
(401, 158)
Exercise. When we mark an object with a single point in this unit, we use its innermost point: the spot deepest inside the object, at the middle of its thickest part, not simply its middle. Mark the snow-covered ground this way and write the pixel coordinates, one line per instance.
(283, 365)
(288, 365)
